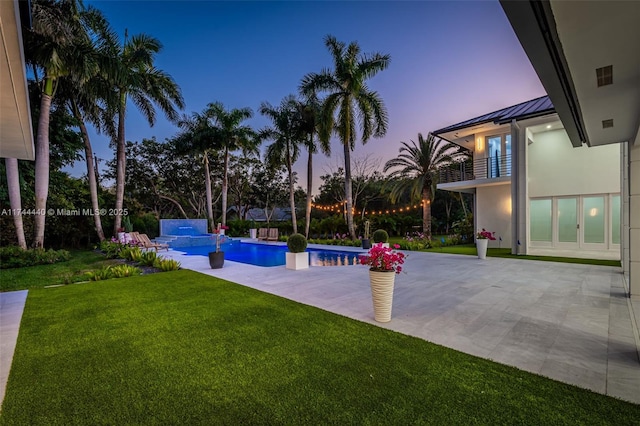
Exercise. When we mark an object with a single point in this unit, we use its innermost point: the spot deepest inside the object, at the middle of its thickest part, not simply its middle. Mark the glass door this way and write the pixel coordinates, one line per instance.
(494, 144)
(567, 222)
(593, 222)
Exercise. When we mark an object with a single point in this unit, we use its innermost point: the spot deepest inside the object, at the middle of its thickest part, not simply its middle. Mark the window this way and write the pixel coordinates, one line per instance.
(540, 218)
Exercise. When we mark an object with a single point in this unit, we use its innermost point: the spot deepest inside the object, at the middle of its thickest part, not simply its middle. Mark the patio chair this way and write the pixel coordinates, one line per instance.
(262, 233)
(148, 244)
(273, 234)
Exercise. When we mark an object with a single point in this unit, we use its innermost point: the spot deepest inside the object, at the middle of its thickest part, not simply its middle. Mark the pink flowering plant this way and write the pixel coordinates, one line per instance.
(485, 235)
(384, 259)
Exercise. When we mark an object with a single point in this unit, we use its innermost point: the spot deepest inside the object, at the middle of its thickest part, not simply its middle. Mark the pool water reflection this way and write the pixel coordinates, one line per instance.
(273, 255)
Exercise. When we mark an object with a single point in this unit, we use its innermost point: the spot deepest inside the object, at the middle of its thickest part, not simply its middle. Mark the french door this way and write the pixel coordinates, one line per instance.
(586, 222)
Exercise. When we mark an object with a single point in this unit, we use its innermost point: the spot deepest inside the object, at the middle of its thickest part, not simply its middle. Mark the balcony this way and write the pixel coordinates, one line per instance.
(482, 168)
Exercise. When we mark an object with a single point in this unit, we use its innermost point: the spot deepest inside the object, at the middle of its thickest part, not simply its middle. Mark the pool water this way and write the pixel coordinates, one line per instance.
(272, 255)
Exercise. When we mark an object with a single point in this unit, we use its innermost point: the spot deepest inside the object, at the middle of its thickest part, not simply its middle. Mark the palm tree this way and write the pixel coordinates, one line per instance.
(231, 136)
(349, 102)
(200, 135)
(417, 171)
(133, 75)
(309, 126)
(13, 183)
(285, 134)
(84, 97)
(57, 44)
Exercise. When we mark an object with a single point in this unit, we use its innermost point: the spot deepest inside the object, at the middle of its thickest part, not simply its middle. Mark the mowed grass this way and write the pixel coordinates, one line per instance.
(53, 274)
(470, 250)
(185, 348)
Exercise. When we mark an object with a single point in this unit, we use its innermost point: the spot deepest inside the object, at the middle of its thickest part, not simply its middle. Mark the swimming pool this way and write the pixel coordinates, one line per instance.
(273, 255)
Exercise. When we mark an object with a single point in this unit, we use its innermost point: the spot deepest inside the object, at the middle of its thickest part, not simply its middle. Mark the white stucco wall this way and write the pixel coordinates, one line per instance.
(493, 212)
(556, 168)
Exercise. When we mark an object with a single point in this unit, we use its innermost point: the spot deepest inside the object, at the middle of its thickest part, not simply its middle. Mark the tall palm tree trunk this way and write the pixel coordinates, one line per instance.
(207, 186)
(348, 189)
(292, 199)
(91, 174)
(42, 164)
(121, 163)
(225, 186)
(13, 181)
(309, 185)
(426, 210)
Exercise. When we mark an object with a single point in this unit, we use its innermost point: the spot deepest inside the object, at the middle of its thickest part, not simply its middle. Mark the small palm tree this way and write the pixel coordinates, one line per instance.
(231, 135)
(285, 133)
(199, 135)
(133, 75)
(87, 98)
(349, 102)
(417, 170)
(309, 127)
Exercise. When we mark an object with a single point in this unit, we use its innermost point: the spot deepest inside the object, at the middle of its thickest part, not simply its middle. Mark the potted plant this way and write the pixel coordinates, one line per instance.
(253, 231)
(381, 236)
(366, 243)
(297, 257)
(216, 258)
(384, 263)
(482, 242)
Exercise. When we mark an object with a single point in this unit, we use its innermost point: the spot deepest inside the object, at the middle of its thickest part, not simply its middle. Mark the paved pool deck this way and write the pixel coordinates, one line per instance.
(572, 323)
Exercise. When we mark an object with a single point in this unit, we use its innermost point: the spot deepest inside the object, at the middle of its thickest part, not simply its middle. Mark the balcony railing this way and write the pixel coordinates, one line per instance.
(482, 168)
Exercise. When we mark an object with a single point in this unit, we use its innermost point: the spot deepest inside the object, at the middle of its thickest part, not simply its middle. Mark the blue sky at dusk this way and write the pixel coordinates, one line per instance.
(450, 61)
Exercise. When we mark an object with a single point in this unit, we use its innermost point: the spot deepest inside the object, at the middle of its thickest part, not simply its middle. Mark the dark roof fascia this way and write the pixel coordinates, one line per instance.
(534, 25)
(502, 116)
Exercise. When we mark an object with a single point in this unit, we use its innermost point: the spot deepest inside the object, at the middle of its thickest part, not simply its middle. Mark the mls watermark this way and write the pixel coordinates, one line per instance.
(64, 212)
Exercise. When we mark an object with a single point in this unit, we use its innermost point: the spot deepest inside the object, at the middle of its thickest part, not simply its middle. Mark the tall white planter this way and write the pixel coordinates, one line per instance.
(253, 233)
(297, 260)
(481, 246)
(382, 284)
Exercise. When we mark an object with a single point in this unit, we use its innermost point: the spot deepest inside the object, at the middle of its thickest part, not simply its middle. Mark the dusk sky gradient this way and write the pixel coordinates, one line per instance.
(450, 61)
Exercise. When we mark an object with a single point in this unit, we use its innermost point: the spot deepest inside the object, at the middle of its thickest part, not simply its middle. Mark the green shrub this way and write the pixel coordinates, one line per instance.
(380, 236)
(15, 257)
(122, 271)
(131, 253)
(166, 265)
(103, 273)
(148, 258)
(297, 243)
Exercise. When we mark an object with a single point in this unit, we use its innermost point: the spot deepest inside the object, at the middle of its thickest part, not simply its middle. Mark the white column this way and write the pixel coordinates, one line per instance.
(634, 217)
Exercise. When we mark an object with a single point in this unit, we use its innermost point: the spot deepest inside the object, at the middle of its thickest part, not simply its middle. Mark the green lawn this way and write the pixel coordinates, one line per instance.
(185, 348)
(57, 273)
(470, 249)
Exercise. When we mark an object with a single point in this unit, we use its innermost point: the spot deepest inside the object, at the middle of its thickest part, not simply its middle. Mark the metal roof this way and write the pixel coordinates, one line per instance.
(528, 109)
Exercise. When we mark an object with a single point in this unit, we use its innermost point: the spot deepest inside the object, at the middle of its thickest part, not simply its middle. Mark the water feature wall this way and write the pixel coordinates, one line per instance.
(184, 233)
(183, 226)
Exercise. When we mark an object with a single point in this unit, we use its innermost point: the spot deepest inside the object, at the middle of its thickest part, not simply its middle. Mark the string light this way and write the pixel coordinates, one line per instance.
(340, 207)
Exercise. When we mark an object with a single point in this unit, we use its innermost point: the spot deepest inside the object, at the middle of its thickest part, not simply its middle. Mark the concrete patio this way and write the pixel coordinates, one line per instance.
(569, 322)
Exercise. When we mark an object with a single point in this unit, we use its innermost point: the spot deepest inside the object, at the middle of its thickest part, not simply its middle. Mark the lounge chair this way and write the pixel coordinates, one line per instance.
(148, 244)
(262, 233)
(273, 234)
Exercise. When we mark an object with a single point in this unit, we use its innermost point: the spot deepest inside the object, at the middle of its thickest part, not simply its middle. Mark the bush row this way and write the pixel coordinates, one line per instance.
(15, 257)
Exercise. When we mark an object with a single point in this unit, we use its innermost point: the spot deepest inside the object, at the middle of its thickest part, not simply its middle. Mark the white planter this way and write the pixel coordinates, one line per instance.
(253, 233)
(386, 245)
(382, 284)
(297, 260)
(481, 246)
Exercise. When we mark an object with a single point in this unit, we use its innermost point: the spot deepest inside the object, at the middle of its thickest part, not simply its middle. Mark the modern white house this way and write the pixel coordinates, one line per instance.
(586, 56)
(537, 193)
